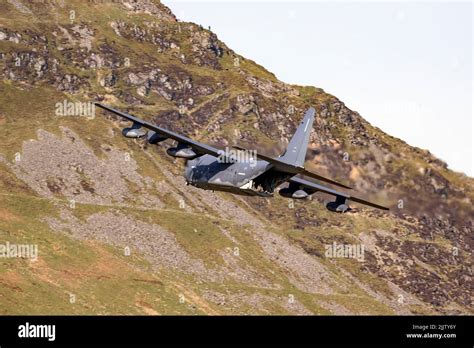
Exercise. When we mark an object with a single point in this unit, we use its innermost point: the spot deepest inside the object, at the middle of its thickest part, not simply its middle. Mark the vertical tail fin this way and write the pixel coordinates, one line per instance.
(296, 151)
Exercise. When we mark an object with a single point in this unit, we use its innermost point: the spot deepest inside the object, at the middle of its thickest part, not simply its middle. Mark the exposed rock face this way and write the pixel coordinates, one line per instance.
(223, 253)
(29, 66)
(267, 87)
(246, 104)
(177, 87)
(206, 49)
(154, 8)
(151, 33)
(8, 35)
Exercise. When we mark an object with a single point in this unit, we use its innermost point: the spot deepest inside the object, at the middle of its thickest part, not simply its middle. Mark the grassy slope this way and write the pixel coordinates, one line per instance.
(104, 280)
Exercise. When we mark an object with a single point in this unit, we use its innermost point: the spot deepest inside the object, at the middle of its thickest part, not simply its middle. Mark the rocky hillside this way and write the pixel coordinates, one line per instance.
(117, 230)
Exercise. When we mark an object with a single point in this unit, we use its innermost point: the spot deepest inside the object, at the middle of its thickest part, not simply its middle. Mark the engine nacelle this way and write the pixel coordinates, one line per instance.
(154, 138)
(291, 193)
(337, 207)
(181, 152)
(135, 131)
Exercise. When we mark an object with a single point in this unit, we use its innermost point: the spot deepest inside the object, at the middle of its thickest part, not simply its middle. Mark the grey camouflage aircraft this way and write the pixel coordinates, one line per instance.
(242, 171)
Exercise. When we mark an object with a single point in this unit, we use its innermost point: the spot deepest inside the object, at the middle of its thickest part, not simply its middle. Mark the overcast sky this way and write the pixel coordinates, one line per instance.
(405, 67)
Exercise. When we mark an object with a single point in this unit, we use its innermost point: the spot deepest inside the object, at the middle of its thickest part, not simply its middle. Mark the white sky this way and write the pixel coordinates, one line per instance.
(405, 67)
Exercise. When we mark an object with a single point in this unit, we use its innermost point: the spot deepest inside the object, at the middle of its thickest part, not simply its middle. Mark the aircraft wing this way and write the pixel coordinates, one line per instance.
(313, 187)
(198, 147)
(289, 168)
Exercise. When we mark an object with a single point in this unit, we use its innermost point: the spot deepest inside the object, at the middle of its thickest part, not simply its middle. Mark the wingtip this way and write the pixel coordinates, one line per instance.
(311, 110)
(100, 105)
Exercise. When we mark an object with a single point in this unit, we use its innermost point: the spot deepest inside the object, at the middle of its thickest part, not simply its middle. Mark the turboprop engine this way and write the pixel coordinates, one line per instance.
(135, 131)
(181, 151)
(338, 206)
(292, 193)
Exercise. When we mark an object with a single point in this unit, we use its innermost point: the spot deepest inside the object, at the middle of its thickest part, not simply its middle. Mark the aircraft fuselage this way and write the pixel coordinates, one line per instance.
(209, 173)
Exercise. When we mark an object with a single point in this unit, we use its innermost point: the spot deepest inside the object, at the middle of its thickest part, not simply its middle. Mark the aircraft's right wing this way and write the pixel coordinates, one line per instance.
(198, 147)
(313, 187)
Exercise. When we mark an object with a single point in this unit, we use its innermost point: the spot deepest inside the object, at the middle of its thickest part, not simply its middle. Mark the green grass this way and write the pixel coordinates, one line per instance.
(102, 278)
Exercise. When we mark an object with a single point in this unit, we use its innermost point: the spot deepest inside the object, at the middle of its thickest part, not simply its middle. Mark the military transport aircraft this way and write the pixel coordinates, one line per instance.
(210, 168)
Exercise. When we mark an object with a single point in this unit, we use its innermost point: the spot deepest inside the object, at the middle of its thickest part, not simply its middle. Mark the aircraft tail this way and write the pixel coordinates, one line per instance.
(295, 153)
(292, 160)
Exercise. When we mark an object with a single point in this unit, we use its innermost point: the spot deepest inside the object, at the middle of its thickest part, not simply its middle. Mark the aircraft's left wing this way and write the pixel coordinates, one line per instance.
(313, 187)
(198, 147)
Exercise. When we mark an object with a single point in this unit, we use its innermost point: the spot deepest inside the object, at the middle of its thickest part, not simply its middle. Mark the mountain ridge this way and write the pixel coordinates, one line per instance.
(192, 251)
